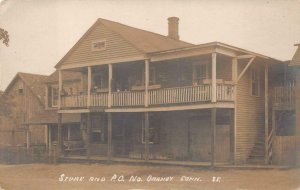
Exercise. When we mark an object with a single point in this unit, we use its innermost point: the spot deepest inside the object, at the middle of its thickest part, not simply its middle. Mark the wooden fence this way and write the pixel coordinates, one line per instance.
(284, 150)
(23, 155)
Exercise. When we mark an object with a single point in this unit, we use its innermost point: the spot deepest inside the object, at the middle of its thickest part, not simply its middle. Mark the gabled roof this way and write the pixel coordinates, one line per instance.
(33, 81)
(67, 76)
(142, 40)
(296, 58)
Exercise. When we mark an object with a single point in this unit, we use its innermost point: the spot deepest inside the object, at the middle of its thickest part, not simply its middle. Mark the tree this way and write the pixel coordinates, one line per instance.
(4, 37)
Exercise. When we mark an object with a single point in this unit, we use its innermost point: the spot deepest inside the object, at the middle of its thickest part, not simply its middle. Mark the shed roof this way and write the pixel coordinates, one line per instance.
(67, 76)
(50, 117)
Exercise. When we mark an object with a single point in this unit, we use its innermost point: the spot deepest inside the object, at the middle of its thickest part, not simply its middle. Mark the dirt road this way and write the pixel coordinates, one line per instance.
(116, 176)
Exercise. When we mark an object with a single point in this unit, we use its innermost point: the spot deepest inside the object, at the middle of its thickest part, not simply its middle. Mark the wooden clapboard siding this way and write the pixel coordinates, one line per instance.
(116, 47)
(22, 107)
(250, 115)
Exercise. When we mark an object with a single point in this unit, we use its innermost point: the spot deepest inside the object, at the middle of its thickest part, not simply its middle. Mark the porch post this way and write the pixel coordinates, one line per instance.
(213, 136)
(28, 137)
(232, 136)
(146, 82)
(266, 114)
(109, 134)
(49, 137)
(234, 73)
(110, 76)
(297, 107)
(46, 96)
(89, 86)
(59, 87)
(59, 135)
(214, 77)
(88, 131)
(146, 136)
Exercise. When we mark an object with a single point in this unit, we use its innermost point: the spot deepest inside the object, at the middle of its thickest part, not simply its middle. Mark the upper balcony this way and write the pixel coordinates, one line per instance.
(160, 84)
(157, 97)
(284, 98)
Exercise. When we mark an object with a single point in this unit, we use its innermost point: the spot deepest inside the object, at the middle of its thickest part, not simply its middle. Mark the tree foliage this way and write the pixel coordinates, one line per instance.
(4, 37)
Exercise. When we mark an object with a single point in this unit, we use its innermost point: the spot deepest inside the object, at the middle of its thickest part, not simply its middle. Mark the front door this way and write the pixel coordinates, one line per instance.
(199, 139)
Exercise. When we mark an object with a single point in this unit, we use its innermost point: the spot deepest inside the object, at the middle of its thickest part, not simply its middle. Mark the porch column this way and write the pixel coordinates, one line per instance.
(297, 98)
(28, 137)
(213, 136)
(214, 77)
(110, 76)
(232, 136)
(146, 136)
(234, 76)
(59, 135)
(109, 134)
(88, 134)
(266, 114)
(49, 137)
(59, 87)
(146, 82)
(89, 86)
(46, 96)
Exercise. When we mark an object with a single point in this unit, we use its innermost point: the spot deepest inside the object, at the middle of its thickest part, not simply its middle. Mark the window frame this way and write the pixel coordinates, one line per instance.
(21, 88)
(102, 130)
(93, 48)
(152, 129)
(52, 96)
(200, 64)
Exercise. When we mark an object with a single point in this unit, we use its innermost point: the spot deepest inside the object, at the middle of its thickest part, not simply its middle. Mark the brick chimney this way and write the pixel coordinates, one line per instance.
(173, 28)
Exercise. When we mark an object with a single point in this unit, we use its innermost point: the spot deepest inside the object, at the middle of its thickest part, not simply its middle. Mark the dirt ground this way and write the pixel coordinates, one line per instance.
(117, 176)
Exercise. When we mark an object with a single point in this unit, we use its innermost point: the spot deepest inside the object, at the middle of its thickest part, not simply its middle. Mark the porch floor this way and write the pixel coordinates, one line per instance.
(102, 159)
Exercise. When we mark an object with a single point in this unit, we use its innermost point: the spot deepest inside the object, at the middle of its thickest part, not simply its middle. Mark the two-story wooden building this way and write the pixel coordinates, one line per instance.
(21, 100)
(139, 95)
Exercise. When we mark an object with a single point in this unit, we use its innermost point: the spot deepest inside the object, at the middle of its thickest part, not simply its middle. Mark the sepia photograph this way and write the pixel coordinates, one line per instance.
(147, 95)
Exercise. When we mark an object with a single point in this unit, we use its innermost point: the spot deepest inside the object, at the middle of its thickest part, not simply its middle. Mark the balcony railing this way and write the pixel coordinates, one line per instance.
(76, 101)
(100, 99)
(163, 96)
(128, 98)
(187, 94)
(284, 97)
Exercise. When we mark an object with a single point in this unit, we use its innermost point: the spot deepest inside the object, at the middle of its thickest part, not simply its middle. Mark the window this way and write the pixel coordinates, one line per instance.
(200, 72)
(98, 80)
(152, 75)
(154, 130)
(54, 96)
(21, 89)
(71, 132)
(99, 130)
(99, 45)
(255, 90)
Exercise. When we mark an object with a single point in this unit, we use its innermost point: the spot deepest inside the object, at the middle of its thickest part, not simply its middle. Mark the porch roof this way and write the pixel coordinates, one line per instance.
(50, 117)
(213, 46)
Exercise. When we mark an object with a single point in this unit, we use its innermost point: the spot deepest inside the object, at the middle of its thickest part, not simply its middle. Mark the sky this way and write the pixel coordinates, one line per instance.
(42, 32)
